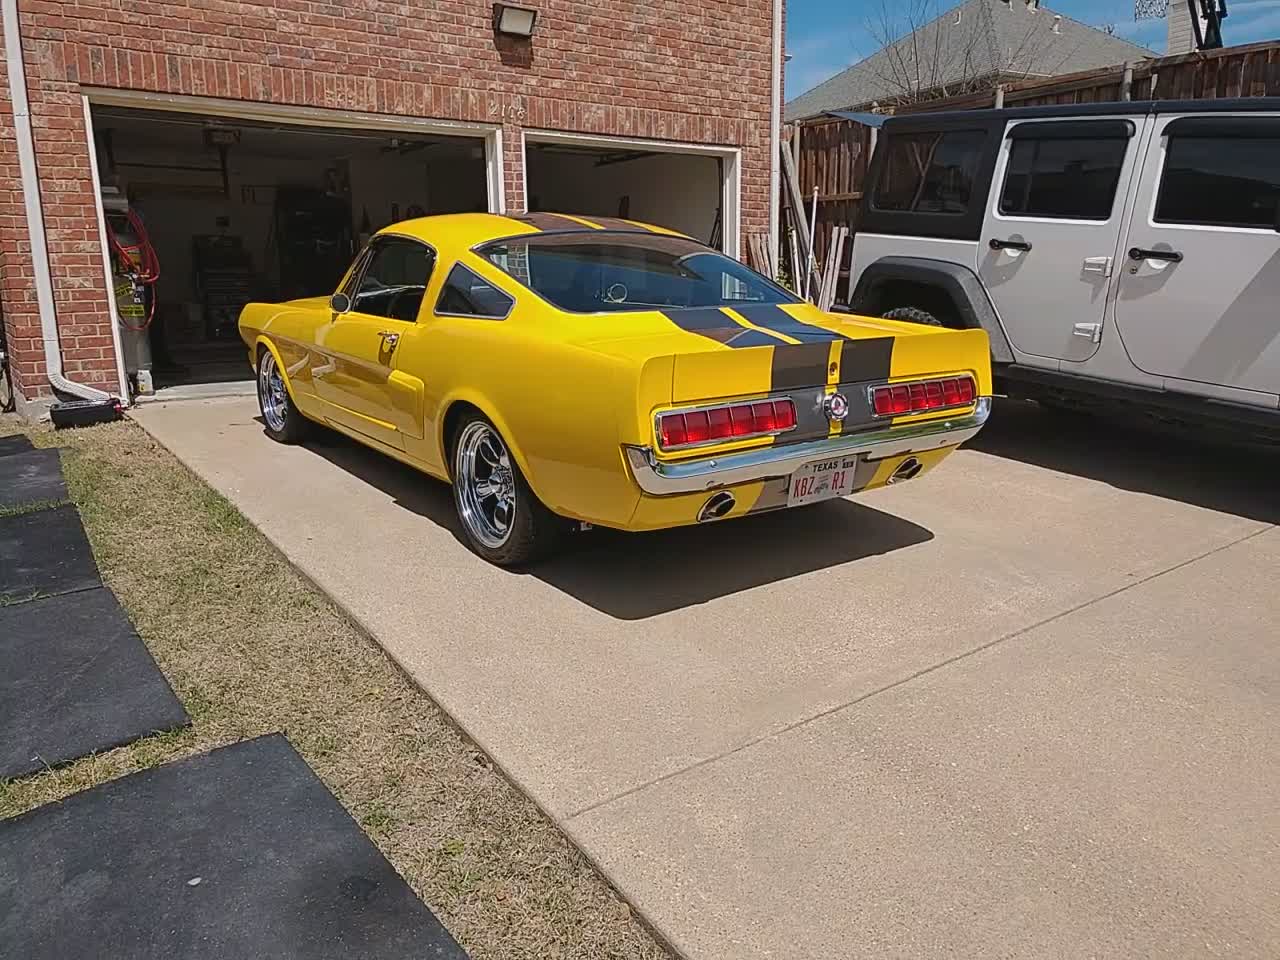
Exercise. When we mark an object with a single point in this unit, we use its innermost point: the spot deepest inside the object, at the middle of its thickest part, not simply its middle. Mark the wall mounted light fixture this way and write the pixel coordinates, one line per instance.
(514, 21)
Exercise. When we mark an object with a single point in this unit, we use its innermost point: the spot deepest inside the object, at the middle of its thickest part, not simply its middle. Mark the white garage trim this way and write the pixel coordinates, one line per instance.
(730, 189)
(316, 117)
(108, 279)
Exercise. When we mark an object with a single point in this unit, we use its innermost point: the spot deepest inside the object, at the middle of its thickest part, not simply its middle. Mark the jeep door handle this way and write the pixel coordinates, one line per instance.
(1010, 245)
(1171, 256)
(389, 338)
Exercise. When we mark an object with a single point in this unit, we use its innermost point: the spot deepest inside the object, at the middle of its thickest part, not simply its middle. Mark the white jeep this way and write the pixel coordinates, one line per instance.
(1116, 253)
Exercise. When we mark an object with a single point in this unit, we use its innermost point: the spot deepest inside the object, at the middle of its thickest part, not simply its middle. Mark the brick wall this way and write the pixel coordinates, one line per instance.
(686, 70)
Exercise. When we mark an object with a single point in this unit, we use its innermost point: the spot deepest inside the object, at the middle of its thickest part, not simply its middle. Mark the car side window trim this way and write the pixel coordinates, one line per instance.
(459, 266)
(356, 273)
(1071, 130)
(366, 257)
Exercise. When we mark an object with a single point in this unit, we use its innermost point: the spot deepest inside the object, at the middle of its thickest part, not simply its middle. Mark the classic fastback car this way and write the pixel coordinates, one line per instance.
(561, 370)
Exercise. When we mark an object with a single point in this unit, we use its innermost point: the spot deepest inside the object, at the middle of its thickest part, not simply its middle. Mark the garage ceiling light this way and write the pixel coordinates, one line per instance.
(514, 21)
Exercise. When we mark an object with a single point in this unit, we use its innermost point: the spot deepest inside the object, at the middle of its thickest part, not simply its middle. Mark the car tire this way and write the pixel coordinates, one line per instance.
(501, 518)
(281, 417)
(912, 315)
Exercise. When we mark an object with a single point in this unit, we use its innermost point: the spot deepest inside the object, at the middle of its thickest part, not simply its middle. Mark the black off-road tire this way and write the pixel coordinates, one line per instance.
(912, 315)
(534, 532)
(281, 418)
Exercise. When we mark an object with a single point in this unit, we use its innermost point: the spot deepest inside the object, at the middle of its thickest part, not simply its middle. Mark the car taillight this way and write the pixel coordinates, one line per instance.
(921, 396)
(735, 421)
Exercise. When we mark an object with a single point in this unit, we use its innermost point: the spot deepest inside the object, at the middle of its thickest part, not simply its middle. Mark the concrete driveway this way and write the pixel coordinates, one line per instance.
(1027, 706)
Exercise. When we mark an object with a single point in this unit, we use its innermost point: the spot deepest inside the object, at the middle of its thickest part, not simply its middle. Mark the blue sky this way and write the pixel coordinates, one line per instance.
(824, 36)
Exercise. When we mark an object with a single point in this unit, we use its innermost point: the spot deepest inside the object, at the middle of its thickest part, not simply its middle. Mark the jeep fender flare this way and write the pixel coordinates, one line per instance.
(956, 282)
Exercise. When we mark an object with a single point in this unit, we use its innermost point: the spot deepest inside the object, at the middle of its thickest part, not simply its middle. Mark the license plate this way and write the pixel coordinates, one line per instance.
(822, 480)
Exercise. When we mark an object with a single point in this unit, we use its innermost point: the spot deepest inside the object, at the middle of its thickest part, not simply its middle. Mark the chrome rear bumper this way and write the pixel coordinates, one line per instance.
(710, 473)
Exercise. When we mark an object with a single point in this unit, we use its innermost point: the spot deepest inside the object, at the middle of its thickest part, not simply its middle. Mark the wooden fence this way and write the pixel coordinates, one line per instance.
(832, 153)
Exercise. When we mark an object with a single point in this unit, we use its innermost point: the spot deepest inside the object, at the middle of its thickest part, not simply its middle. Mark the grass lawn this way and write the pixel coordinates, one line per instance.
(251, 647)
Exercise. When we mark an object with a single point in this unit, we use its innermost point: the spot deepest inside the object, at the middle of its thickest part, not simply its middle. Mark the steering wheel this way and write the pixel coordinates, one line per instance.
(393, 304)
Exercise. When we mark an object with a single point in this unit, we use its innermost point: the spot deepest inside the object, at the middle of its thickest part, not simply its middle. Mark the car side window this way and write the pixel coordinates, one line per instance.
(930, 172)
(395, 279)
(1063, 178)
(467, 294)
(1231, 181)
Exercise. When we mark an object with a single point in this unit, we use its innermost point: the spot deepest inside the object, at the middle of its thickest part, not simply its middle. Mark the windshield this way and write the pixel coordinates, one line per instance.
(602, 272)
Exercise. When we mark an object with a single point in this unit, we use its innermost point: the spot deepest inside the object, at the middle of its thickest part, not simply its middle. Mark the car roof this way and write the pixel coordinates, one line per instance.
(466, 230)
(967, 118)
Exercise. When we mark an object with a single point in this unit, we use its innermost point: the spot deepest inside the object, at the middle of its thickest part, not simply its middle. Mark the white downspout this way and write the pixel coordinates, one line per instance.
(35, 214)
(121, 374)
(775, 130)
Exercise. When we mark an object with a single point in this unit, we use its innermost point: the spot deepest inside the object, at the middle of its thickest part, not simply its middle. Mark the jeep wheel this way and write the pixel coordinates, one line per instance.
(912, 315)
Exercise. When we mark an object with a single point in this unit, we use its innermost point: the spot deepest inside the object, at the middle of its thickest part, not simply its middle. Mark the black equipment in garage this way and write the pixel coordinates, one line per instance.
(314, 240)
(224, 280)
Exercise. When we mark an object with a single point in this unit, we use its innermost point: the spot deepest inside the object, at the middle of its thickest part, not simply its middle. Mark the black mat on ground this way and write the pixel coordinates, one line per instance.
(16, 443)
(241, 852)
(44, 552)
(31, 477)
(75, 679)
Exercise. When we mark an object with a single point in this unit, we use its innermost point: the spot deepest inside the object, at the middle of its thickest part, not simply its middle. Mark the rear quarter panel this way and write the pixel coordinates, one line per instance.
(564, 410)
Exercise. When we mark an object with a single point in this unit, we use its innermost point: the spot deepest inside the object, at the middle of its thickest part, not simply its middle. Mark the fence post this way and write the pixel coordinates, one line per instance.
(1126, 84)
(999, 96)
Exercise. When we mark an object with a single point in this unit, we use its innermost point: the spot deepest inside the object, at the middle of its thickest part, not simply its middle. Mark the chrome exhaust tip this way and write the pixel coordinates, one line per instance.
(717, 507)
(908, 469)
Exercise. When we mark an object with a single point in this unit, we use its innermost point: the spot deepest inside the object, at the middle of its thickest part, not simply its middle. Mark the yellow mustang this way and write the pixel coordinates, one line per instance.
(561, 370)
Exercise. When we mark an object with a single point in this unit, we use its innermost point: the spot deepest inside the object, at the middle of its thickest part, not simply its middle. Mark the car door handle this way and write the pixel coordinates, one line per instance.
(1010, 245)
(389, 338)
(1172, 256)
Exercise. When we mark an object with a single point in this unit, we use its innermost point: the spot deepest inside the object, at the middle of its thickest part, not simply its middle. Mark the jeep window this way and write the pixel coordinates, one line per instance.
(1073, 179)
(930, 172)
(1230, 182)
(598, 272)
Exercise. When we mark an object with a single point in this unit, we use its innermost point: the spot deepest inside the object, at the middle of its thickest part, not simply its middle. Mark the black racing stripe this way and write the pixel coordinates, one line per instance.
(711, 323)
(613, 223)
(800, 365)
(774, 318)
(863, 360)
(552, 222)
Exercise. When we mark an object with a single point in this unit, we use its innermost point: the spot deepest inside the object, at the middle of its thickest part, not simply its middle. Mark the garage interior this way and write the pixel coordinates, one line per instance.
(680, 191)
(205, 214)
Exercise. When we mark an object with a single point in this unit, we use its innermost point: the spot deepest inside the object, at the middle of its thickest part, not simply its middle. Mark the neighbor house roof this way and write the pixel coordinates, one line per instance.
(977, 39)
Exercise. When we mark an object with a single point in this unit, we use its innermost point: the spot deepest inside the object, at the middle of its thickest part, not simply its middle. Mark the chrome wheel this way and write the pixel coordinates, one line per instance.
(272, 395)
(486, 484)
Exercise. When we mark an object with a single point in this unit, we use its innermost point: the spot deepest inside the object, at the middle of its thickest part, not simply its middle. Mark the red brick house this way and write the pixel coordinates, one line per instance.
(257, 140)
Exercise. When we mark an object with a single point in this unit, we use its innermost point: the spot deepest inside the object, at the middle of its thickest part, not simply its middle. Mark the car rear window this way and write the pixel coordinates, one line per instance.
(610, 272)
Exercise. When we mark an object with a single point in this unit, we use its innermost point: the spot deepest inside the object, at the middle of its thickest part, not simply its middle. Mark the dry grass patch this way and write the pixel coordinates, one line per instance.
(251, 647)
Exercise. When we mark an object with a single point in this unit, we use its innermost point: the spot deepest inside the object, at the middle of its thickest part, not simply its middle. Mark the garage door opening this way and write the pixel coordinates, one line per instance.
(685, 192)
(205, 214)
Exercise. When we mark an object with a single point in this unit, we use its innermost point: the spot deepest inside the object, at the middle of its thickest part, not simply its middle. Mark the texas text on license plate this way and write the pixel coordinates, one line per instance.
(822, 480)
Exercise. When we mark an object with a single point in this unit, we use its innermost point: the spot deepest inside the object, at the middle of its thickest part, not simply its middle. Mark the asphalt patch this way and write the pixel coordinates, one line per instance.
(241, 852)
(75, 679)
(16, 443)
(31, 477)
(44, 553)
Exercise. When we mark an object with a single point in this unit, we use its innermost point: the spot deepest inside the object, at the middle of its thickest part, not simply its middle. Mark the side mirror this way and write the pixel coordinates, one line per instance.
(340, 303)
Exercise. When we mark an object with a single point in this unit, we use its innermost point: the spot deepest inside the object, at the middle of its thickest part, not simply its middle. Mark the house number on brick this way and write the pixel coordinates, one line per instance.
(508, 111)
